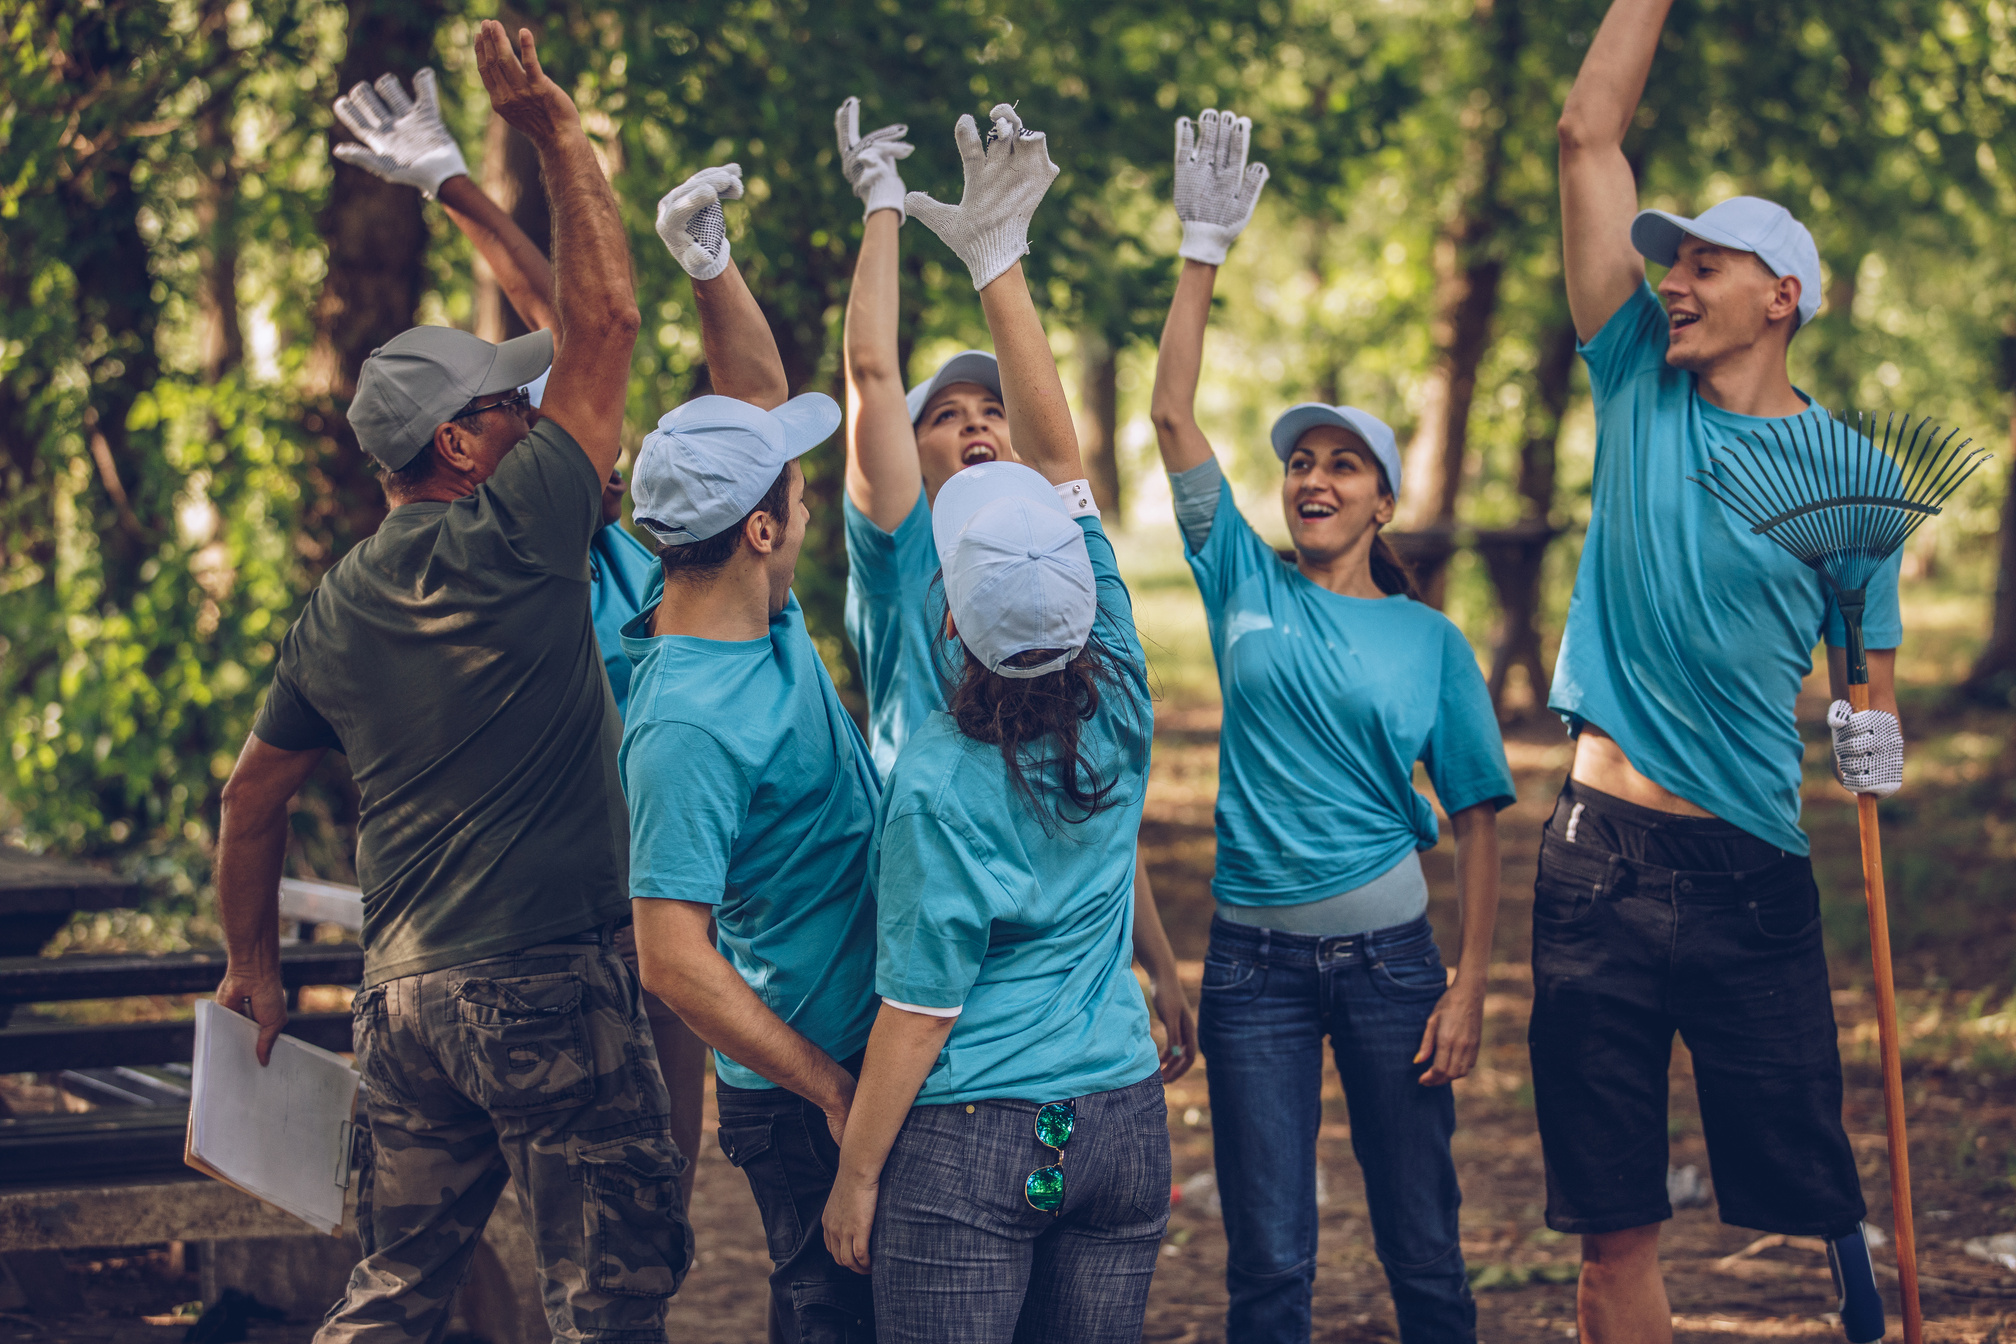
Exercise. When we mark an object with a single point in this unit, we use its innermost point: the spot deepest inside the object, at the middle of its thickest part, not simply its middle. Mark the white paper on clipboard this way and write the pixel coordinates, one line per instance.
(280, 1133)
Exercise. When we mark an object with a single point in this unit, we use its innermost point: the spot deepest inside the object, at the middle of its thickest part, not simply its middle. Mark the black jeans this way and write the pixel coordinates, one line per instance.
(1645, 924)
(782, 1144)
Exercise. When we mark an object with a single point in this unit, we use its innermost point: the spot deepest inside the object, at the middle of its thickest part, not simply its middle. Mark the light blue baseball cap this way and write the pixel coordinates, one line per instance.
(1378, 435)
(1017, 574)
(1747, 224)
(968, 366)
(713, 459)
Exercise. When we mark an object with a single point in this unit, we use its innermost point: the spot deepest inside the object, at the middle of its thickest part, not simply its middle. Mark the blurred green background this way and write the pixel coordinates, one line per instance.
(188, 283)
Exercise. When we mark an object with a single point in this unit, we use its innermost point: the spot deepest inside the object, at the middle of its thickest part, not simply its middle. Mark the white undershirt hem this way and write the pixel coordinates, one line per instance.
(927, 1012)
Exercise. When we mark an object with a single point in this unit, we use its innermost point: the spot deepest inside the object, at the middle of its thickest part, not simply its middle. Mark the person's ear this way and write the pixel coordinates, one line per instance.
(451, 446)
(1383, 512)
(760, 532)
(1785, 302)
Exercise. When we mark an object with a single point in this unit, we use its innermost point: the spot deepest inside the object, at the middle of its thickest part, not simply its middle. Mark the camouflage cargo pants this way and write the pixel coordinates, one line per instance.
(536, 1068)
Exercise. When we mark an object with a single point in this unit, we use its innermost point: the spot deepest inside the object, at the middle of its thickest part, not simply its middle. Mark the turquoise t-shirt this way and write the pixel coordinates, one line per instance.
(1329, 701)
(1028, 929)
(1687, 635)
(620, 575)
(751, 790)
(895, 616)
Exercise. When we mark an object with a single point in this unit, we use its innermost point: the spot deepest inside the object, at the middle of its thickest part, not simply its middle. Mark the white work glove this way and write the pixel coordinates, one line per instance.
(1006, 175)
(1868, 749)
(1216, 189)
(870, 161)
(404, 138)
(690, 222)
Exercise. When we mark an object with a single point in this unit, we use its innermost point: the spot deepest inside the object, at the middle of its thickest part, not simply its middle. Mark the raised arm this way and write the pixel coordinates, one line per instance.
(1006, 176)
(883, 476)
(1598, 193)
(403, 140)
(1216, 191)
(735, 339)
(522, 270)
(1178, 362)
(595, 294)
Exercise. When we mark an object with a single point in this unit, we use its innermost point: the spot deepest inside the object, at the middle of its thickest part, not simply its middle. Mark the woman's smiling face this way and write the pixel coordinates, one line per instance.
(962, 425)
(1332, 492)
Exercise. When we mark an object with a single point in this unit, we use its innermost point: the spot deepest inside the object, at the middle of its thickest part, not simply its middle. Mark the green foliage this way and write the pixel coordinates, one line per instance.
(153, 517)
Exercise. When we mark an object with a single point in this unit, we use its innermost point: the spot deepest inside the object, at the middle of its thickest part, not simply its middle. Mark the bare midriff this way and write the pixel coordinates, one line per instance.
(1601, 764)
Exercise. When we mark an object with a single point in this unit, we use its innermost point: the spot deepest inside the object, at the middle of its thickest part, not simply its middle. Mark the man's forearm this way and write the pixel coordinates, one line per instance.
(696, 982)
(522, 270)
(251, 848)
(591, 256)
(737, 343)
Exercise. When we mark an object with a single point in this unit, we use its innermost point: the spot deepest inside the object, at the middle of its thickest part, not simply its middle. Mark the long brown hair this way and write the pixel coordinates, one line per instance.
(1016, 713)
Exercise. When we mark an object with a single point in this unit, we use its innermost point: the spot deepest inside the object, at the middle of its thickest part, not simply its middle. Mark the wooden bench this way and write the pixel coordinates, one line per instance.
(136, 1123)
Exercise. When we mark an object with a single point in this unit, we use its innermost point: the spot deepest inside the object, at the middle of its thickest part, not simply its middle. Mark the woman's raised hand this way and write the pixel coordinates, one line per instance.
(1216, 189)
(404, 138)
(1006, 176)
(869, 161)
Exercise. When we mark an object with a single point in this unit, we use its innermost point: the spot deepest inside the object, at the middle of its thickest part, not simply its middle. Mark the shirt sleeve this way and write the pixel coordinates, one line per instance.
(1882, 614)
(1195, 493)
(1465, 753)
(933, 912)
(1631, 342)
(547, 501)
(287, 720)
(1232, 551)
(880, 563)
(688, 799)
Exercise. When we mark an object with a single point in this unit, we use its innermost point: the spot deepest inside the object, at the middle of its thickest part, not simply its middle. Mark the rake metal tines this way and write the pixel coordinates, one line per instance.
(1841, 498)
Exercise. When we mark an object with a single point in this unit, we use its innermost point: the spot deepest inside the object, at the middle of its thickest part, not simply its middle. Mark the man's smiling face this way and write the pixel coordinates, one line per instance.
(1720, 302)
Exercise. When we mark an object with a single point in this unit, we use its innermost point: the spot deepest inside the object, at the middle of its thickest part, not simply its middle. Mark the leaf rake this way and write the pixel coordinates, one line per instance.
(1843, 499)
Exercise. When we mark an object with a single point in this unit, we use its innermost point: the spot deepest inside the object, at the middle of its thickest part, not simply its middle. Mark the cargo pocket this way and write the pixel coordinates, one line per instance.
(639, 1242)
(527, 1038)
(750, 1147)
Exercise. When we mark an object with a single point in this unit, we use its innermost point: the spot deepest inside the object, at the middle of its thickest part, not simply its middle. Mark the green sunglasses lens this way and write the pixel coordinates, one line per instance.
(1054, 1122)
(1045, 1188)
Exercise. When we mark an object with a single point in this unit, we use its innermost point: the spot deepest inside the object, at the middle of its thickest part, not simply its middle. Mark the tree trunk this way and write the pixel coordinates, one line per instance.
(216, 202)
(1469, 267)
(1099, 430)
(1994, 674)
(1516, 557)
(377, 240)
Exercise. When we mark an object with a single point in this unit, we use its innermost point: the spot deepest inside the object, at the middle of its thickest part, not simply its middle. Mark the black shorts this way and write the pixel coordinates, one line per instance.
(1644, 924)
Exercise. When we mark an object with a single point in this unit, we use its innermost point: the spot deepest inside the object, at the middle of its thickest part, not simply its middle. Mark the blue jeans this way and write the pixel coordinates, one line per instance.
(1269, 1000)
(960, 1253)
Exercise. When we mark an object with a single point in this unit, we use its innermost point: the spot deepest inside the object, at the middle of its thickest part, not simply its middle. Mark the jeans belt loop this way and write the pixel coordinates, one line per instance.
(1266, 937)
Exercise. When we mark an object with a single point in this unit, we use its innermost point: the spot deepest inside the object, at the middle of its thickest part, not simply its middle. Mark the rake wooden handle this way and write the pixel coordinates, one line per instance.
(1893, 1062)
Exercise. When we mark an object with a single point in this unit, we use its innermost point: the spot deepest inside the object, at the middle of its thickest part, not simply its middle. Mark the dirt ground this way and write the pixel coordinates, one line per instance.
(1960, 1123)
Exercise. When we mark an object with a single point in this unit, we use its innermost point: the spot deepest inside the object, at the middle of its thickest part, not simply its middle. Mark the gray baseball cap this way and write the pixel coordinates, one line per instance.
(968, 366)
(416, 381)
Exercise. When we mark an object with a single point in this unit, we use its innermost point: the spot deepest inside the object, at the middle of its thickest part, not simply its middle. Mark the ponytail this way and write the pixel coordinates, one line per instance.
(1393, 575)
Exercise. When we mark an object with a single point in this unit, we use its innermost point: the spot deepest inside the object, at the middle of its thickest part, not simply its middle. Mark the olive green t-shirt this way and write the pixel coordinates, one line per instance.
(452, 657)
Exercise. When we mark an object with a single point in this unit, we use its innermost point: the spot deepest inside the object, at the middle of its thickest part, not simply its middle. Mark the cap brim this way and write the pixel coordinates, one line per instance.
(971, 489)
(1299, 420)
(968, 366)
(1657, 234)
(519, 361)
(809, 419)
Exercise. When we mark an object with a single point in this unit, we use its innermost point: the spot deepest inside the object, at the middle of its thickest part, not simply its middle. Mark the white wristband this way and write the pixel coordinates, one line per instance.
(1077, 497)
